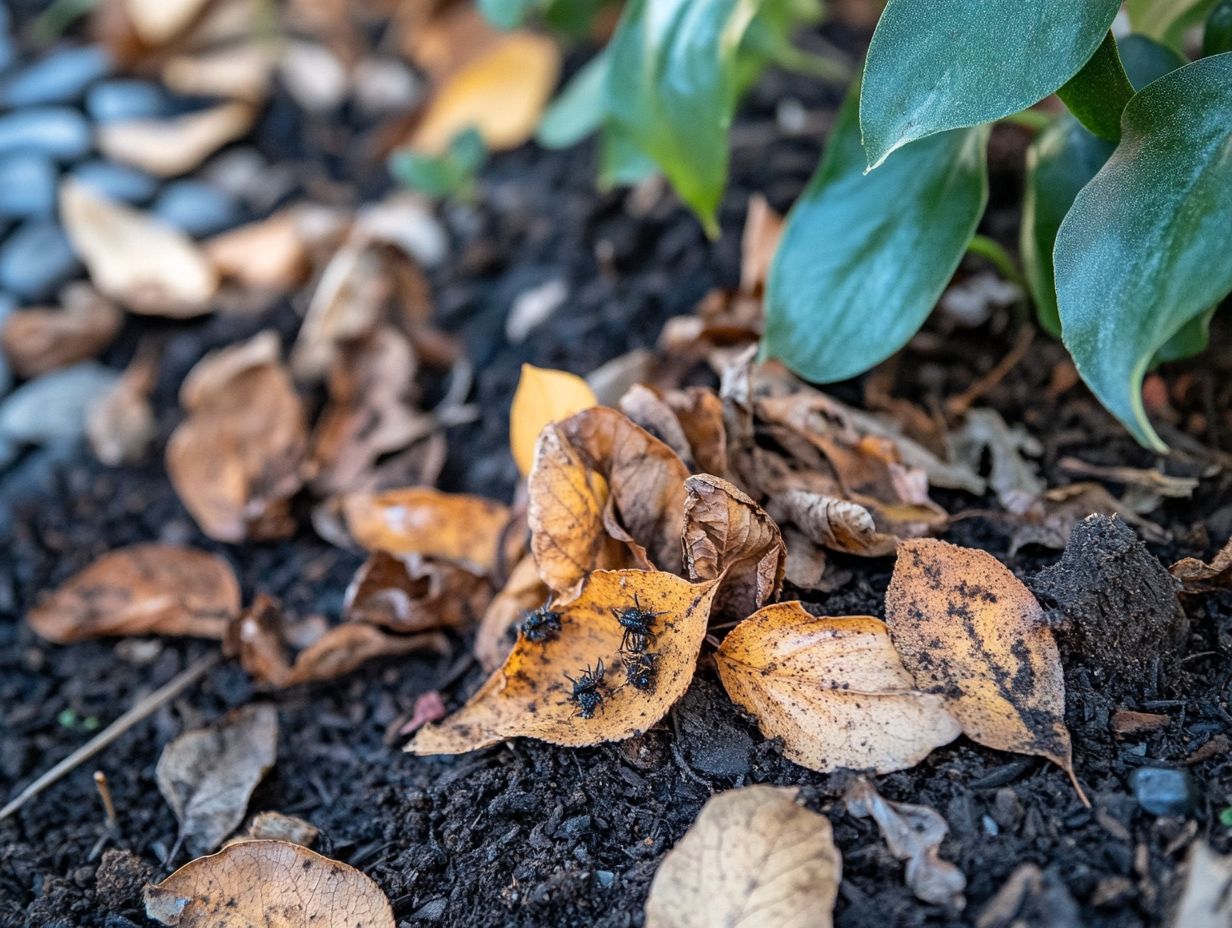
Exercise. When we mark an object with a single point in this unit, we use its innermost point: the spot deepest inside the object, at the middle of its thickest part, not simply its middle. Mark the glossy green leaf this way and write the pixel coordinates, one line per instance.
(449, 174)
(621, 162)
(864, 257)
(1097, 94)
(1166, 20)
(1217, 37)
(579, 109)
(1144, 249)
(944, 64)
(673, 86)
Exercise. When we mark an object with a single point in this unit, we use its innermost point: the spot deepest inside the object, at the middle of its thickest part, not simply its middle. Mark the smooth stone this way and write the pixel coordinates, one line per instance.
(36, 259)
(116, 181)
(115, 100)
(8, 50)
(1162, 791)
(52, 409)
(7, 305)
(27, 185)
(60, 77)
(56, 131)
(196, 208)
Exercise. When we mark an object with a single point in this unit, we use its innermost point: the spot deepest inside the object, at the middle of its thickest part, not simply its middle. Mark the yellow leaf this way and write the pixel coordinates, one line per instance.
(753, 857)
(501, 93)
(833, 689)
(543, 396)
(532, 694)
(968, 629)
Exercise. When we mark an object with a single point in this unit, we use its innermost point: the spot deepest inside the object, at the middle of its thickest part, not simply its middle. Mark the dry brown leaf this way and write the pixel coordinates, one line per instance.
(237, 458)
(274, 884)
(837, 524)
(1051, 521)
(700, 413)
(725, 532)
(833, 689)
(501, 93)
(647, 408)
(442, 37)
(350, 297)
(159, 21)
(121, 424)
(753, 857)
(237, 72)
(1015, 481)
(40, 340)
(1197, 576)
(543, 396)
(531, 696)
(143, 589)
(208, 774)
(763, 228)
(1206, 900)
(274, 826)
(969, 630)
(415, 594)
(169, 147)
(602, 487)
(523, 591)
(421, 520)
(135, 259)
(271, 254)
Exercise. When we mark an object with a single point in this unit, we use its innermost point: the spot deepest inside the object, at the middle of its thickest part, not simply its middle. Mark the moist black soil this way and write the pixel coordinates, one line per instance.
(529, 834)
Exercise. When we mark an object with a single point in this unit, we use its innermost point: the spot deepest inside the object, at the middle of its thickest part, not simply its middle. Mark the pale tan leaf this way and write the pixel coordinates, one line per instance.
(543, 396)
(837, 524)
(833, 689)
(177, 145)
(236, 72)
(753, 857)
(415, 594)
(159, 21)
(1206, 900)
(270, 254)
(121, 424)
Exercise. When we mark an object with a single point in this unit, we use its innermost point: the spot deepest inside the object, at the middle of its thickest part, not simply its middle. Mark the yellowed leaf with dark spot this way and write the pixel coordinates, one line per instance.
(274, 884)
(833, 689)
(421, 520)
(753, 857)
(497, 631)
(531, 696)
(143, 589)
(725, 531)
(970, 631)
(543, 396)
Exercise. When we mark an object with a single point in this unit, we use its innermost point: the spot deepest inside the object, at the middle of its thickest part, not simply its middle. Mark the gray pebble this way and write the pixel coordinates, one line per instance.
(116, 181)
(1161, 791)
(60, 77)
(52, 409)
(8, 51)
(36, 259)
(27, 185)
(56, 131)
(128, 98)
(7, 305)
(196, 208)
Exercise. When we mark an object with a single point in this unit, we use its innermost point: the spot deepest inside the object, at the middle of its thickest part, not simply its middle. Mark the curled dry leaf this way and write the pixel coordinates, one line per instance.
(421, 520)
(602, 489)
(725, 532)
(121, 424)
(753, 857)
(237, 459)
(501, 93)
(523, 591)
(648, 409)
(415, 594)
(837, 524)
(1199, 577)
(1206, 900)
(531, 696)
(271, 254)
(141, 590)
(1051, 521)
(969, 630)
(136, 259)
(207, 775)
(169, 147)
(43, 339)
(543, 396)
(274, 826)
(834, 689)
(275, 884)
(914, 834)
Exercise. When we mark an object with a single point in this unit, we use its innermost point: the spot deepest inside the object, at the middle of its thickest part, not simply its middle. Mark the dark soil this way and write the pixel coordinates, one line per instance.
(528, 834)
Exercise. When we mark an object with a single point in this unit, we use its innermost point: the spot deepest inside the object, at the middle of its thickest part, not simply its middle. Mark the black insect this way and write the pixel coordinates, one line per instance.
(588, 690)
(541, 624)
(641, 667)
(638, 625)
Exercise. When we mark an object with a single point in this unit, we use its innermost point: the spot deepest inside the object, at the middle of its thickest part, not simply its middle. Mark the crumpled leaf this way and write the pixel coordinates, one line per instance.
(914, 834)
(543, 396)
(1050, 522)
(177, 145)
(135, 259)
(600, 483)
(648, 409)
(421, 520)
(275, 884)
(271, 254)
(238, 457)
(753, 857)
(969, 630)
(522, 592)
(121, 424)
(1206, 900)
(39, 340)
(142, 589)
(833, 689)
(1197, 576)
(530, 696)
(274, 826)
(208, 774)
(413, 594)
(837, 524)
(1015, 481)
(726, 533)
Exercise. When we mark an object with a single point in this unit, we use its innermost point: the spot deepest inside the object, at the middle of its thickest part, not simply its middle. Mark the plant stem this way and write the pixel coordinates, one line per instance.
(1035, 120)
(1097, 94)
(991, 251)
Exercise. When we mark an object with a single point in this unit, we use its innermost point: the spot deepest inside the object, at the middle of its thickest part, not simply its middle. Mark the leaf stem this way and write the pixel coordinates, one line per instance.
(1035, 120)
(1097, 94)
(993, 252)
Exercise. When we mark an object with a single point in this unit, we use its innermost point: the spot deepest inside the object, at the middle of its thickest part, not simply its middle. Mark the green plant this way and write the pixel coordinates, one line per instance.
(450, 174)
(1127, 218)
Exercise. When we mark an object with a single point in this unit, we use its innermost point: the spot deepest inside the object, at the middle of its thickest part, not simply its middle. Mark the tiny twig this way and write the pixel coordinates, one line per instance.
(144, 707)
(957, 405)
(104, 793)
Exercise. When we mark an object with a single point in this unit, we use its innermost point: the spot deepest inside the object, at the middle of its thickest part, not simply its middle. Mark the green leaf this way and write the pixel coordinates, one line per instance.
(449, 174)
(621, 162)
(864, 257)
(945, 64)
(1097, 94)
(1146, 60)
(1144, 249)
(579, 109)
(672, 88)
(1166, 20)
(507, 14)
(1217, 37)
